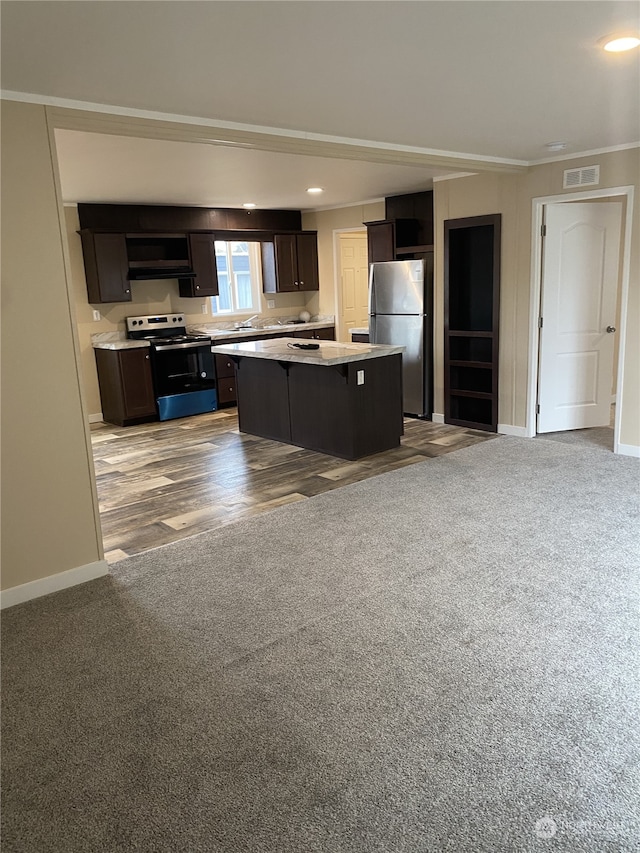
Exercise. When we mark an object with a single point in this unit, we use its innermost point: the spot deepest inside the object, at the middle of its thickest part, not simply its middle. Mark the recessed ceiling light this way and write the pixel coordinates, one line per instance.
(248, 204)
(315, 190)
(620, 43)
(556, 146)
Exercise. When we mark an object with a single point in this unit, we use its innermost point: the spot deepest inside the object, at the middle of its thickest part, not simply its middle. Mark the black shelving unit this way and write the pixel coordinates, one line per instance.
(471, 321)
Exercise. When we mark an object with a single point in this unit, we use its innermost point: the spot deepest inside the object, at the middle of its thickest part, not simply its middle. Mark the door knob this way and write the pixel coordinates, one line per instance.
(611, 329)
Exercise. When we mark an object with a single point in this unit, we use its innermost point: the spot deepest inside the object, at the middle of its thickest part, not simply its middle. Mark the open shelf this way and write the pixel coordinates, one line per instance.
(472, 280)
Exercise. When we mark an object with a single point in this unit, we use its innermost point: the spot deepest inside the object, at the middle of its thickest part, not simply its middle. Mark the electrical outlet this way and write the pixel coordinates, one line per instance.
(204, 308)
(97, 316)
(271, 303)
(360, 377)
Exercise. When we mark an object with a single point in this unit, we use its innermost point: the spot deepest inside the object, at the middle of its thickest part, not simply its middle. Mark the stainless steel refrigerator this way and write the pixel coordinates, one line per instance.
(401, 314)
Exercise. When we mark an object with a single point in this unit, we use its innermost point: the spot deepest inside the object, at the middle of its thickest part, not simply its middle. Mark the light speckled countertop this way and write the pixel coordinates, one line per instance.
(328, 353)
(119, 340)
(275, 329)
(115, 340)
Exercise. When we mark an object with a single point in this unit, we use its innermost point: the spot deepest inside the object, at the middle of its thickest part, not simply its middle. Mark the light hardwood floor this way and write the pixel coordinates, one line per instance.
(161, 482)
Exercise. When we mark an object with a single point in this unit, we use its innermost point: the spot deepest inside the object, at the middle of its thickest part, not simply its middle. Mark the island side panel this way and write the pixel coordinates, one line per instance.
(263, 398)
(377, 405)
(332, 413)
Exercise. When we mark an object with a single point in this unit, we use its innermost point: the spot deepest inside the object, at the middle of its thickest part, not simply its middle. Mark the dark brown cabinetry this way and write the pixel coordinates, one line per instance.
(317, 334)
(225, 379)
(106, 267)
(381, 241)
(406, 232)
(290, 263)
(113, 261)
(471, 321)
(225, 367)
(126, 387)
(127, 243)
(202, 252)
(326, 409)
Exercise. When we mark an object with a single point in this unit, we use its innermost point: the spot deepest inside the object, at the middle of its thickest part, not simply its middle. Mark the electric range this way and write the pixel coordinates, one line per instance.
(181, 365)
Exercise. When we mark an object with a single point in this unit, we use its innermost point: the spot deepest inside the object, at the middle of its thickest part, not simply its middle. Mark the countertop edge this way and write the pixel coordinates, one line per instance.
(127, 343)
(368, 352)
(120, 344)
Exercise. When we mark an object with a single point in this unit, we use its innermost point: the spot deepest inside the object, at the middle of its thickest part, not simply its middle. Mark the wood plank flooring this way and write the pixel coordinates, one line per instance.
(161, 482)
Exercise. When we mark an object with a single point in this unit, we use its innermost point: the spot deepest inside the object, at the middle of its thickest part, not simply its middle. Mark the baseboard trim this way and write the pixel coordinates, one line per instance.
(95, 419)
(508, 429)
(53, 583)
(437, 418)
(629, 450)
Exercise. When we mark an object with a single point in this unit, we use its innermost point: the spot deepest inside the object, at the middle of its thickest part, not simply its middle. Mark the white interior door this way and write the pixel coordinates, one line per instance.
(354, 283)
(578, 310)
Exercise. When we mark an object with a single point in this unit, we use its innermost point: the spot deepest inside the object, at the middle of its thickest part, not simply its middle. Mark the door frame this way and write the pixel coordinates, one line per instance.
(537, 219)
(337, 300)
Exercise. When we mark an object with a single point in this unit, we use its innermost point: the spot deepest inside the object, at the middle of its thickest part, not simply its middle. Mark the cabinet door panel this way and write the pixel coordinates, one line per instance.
(307, 250)
(381, 240)
(137, 385)
(106, 267)
(286, 262)
(325, 334)
(203, 261)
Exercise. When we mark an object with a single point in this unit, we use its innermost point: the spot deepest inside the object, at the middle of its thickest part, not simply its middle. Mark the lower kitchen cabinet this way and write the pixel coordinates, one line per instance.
(225, 379)
(317, 334)
(126, 386)
(225, 368)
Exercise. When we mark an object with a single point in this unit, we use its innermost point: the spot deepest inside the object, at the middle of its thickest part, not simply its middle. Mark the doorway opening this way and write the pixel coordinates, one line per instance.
(351, 281)
(580, 280)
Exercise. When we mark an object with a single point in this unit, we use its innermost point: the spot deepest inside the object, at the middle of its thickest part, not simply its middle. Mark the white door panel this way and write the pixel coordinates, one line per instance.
(353, 294)
(579, 291)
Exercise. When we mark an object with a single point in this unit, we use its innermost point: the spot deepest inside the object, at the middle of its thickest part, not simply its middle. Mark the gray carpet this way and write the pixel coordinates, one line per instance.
(443, 658)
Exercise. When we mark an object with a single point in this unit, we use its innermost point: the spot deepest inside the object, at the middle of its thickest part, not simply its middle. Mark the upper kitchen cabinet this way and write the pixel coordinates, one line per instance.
(127, 243)
(290, 263)
(203, 262)
(113, 261)
(406, 233)
(106, 267)
(381, 240)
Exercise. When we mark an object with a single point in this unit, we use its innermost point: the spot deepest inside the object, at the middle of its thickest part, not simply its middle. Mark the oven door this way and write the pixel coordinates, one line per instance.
(183, 378)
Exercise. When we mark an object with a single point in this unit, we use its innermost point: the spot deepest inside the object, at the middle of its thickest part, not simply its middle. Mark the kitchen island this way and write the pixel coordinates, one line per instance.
(341, 399)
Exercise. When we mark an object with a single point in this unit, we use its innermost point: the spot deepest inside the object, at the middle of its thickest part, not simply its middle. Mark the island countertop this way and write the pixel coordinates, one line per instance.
(329, 353)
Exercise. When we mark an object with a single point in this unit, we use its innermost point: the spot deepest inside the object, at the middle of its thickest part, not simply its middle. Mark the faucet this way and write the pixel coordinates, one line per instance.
(246, 324)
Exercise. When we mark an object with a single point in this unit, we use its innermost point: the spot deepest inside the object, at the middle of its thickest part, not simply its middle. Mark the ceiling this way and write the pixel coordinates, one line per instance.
(496, 80)
(125, 170)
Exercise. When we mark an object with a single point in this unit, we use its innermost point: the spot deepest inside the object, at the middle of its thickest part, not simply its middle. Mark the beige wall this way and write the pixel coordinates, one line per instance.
(512, 195)
(48, 519)
(148, 297)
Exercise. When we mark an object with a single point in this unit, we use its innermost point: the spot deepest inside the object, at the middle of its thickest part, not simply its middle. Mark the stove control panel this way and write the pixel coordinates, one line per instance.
(155, 323)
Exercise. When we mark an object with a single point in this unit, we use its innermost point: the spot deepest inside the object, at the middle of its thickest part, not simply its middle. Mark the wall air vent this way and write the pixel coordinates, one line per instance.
(588, 176)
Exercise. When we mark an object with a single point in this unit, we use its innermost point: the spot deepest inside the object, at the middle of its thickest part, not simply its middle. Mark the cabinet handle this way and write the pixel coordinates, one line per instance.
(197, 287)
(147, 357)
(302, 284)
(126, 291)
